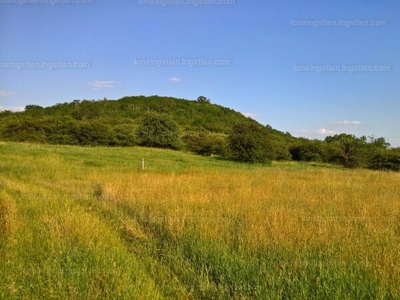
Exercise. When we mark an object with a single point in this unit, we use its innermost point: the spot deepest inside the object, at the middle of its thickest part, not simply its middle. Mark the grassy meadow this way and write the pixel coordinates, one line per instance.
(88, 223)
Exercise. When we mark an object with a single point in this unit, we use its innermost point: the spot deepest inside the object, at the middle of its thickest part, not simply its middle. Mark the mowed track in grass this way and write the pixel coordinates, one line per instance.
(88, 223)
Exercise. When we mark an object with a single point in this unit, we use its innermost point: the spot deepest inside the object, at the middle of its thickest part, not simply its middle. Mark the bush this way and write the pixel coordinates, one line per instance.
(385, 160)
(248, 142)
(94, 134)
(308, 151)
(61, 131)
(206, 144)
(158, 130)
(282, 154)
(26, 130)
(124, 135)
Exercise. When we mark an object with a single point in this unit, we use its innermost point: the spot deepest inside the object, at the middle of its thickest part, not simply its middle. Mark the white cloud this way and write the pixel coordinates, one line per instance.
(347, 123)
(324, 131)
(317, 132)
(12, 108)
(175, 79)
(4, 93)
(332, 128)
(250, 115)
(101, 84)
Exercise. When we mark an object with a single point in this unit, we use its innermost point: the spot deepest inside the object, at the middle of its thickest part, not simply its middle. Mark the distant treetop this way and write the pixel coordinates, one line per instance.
(203, 99)
(32, 106)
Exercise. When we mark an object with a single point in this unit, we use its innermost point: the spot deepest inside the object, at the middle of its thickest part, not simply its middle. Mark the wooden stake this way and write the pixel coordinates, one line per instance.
(142, 164)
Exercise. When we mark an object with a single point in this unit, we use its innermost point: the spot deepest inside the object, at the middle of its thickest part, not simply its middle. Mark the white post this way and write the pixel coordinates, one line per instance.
(142, 164)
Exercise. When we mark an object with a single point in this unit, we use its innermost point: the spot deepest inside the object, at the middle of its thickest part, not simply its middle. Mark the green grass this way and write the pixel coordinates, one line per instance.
(88, 223)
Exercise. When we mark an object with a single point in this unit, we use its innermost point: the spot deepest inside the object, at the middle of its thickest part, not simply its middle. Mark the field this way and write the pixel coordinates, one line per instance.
(88, 223)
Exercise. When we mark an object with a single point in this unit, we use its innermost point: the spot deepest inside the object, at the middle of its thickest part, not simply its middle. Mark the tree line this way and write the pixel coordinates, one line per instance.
(205, 129)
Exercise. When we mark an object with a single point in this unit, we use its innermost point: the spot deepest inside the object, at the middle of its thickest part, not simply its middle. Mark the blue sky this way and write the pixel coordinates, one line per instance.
(313, 68)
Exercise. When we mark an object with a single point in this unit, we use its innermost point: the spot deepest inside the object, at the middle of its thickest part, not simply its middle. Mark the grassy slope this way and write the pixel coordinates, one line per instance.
(87, 223)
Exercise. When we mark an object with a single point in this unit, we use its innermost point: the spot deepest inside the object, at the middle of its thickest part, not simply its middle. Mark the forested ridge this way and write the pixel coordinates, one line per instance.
(197, 126)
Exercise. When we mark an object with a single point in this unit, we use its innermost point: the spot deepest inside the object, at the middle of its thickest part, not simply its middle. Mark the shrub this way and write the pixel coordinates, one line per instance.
(385, 160)
(308, 151)
(248, 142)
(207, 144)
(158, 130)
(123, 135)
(93, 133)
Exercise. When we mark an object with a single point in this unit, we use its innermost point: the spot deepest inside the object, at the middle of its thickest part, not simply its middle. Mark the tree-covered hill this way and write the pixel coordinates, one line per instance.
(189, 115)
(197, 126)
(90, 122)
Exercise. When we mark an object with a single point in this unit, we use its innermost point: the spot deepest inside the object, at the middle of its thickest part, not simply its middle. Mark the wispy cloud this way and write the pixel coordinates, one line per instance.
(101, 84)
(331, 128)
(175, 79)
(325, 131)
(4, 93)
(250, 115)
(317, 132)
(347, 123)
(12, 108)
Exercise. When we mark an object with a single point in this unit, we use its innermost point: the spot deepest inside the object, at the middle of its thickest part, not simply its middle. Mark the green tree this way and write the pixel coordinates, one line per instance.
(347, 150)
(205, 143)
(203, 99)
(94, 133)
(32, 106)
(123, 135)
(158, 130)
(378, 143)
(24, 130)
(248, 142)
(385, 160)
(308, 150)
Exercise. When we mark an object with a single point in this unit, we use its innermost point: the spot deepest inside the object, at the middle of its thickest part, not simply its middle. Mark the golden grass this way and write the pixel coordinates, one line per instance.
(7, 213)
(313, 219)
(345, 215)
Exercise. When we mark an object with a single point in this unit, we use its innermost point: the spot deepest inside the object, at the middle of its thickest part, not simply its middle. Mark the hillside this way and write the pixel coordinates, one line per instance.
(113, 122)
(199, 127)
(88, 223)
(190, 115)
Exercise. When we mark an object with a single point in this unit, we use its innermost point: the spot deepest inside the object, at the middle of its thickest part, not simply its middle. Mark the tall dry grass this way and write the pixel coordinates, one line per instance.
(319, 219)
(192, 228)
